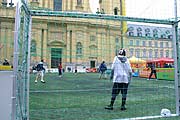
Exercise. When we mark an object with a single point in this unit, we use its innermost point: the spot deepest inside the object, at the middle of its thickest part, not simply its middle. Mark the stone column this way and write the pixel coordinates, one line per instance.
(38, 38)
(45, 46)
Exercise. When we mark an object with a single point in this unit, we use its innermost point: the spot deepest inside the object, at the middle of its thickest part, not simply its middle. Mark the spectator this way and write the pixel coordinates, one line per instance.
(60, 69)
(6, 63)
(153, 71)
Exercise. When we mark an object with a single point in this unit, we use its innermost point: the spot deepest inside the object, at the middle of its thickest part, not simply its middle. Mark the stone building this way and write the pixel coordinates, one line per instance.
(72, 41)
(149, 42)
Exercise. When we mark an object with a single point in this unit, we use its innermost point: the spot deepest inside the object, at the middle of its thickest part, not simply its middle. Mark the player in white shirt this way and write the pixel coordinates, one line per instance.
(121, 75)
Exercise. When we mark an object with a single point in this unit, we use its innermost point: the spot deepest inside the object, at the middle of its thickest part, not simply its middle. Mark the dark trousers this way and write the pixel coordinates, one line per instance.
(119, 87)
(153, 72)
(60, 72)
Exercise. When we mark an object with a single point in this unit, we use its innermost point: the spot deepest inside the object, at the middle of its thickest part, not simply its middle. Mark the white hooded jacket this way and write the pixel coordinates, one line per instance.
(122, 69)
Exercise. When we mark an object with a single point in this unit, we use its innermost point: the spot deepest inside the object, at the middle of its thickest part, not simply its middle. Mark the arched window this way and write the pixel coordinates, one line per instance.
(147, 32)
(139, 32)
(115, 11)
(79, 48)
(130, 30)
(155, 33)
(163, 36)
(33, 46)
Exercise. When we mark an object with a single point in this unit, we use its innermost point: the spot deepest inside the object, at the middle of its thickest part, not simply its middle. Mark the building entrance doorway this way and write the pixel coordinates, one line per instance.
(92, 64)
(56, 57)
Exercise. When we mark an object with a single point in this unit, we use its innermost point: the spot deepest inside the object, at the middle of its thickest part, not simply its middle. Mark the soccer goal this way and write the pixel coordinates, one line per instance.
(80, 35)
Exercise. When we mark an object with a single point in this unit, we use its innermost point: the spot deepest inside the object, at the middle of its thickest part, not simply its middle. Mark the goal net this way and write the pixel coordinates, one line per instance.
(80, 35)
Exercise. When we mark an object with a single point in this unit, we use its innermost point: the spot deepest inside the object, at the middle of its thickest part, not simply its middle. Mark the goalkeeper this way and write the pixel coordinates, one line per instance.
(121, 75)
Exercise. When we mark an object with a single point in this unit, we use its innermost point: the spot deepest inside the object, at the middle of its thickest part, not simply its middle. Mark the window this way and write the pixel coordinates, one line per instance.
(161, 44)
(139, 34)
(144, 53)
(167, 53)
(79, 48)
(33, 47)
(147, 32)
(137, 42)
(57, 5)
(131, 42)
(150, 53)
(116, 40)
(131, 52)
(92, 38)
(144, 43)
(131, 33)
(156, 44)
(156, 53)
(150, 43)
(137, 53)
(170, 36)
(167, 44)
(79, 2)
(116, 11)
(161, 53)
(130, 29)
(155, 33)
(163, 36)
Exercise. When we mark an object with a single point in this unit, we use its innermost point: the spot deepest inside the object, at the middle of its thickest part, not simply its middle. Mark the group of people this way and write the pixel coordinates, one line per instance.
(41, 70)
(121, 75)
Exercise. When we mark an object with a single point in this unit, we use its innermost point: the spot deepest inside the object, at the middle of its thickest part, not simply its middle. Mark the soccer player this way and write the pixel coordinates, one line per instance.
(121, 75)
(40, 71)
(102, 69)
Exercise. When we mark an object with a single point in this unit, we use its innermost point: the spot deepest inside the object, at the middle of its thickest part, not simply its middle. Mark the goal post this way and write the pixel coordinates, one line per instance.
(22, 53)
(21, 63)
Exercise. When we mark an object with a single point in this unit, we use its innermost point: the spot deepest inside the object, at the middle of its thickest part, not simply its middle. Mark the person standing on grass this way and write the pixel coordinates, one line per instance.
(75, 71)
(102, 69)
(121, 74)
(60, 69)
(40, 72)
(153, 71)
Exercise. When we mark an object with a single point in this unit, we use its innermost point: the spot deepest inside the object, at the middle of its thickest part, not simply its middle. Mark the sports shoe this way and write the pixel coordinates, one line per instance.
(109, 107)
(123, 108)
(35, 81)
(148, 79)
(43, 81)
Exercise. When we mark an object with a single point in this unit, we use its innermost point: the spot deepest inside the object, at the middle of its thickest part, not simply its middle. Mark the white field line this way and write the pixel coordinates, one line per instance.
(146, 117)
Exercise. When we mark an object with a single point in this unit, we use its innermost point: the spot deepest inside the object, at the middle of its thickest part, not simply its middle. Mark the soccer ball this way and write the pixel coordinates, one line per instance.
(165, 113)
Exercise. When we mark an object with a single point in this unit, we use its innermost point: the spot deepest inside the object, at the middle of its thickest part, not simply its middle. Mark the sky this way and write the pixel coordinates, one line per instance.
(157, 9)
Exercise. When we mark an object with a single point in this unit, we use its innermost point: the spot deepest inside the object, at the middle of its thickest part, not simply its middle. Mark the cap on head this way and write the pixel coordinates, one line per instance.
(122, 52)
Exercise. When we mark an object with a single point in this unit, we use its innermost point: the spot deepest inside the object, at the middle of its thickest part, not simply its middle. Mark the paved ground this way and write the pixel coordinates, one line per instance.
(5, 94)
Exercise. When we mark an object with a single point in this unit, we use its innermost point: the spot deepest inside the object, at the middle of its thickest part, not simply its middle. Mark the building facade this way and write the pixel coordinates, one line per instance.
(83, 41)
(72, 41)
(149, 42)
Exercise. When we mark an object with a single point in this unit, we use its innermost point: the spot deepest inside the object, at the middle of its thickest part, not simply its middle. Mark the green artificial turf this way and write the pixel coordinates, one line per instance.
(84, 96)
